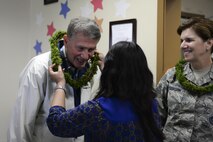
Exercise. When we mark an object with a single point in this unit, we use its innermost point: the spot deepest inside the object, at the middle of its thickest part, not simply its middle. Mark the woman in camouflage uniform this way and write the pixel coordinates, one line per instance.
(186, 90)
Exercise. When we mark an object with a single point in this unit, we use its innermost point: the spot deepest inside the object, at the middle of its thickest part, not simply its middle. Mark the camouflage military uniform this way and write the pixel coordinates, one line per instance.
(185, 116)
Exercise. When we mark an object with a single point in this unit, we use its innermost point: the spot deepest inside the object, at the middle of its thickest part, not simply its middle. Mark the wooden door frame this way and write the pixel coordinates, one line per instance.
(168, 19)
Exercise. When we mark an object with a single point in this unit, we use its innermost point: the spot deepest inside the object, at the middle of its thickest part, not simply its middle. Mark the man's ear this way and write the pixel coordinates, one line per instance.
(65, 39)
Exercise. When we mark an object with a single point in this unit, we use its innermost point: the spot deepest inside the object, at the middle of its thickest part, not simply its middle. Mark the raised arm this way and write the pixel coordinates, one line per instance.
(60, 92)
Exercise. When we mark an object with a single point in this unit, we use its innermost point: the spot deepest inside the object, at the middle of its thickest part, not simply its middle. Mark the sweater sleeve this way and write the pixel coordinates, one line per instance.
(73, 122)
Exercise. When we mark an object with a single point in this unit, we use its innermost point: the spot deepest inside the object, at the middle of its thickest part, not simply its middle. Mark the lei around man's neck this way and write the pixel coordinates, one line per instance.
(56, 59)
(188, 85)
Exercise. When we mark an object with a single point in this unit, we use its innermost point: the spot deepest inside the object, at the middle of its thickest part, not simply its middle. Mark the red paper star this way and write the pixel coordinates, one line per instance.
(99, 22)
(97, 4)
(51, 29)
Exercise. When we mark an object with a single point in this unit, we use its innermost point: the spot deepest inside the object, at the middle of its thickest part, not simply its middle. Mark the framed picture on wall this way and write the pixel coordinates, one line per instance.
(123, 30)
(49, 1)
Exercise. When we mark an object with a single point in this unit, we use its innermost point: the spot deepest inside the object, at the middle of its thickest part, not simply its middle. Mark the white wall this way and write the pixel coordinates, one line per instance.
(14, 39)
(144, 11)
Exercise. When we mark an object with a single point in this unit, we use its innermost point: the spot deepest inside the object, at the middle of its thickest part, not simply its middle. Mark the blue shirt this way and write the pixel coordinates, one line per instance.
(101, 120)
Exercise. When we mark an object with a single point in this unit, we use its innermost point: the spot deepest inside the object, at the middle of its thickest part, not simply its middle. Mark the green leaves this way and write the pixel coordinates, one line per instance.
(189, 85)
(55, 57)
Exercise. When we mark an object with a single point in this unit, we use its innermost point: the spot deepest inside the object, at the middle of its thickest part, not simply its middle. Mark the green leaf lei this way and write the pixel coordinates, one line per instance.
(189, 85)
(55, 57)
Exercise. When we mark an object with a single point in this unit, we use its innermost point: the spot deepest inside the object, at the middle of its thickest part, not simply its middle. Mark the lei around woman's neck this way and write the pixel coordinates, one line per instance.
(56, 59)
(189, 85)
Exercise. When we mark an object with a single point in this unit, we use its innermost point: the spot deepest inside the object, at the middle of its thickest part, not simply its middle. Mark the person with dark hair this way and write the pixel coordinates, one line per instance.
(79, 60)
(124, 109)
(186, 90)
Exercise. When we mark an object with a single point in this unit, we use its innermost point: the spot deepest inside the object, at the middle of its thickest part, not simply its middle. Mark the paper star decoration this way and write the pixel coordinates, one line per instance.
(37, 47)
(39, 19)
(121, 7)
(99, 22)
(64, 9)
(51, 29)
(86, 10)
(97, 4)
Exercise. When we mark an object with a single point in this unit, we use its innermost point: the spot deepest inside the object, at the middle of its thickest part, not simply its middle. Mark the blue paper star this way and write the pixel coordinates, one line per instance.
(64, 9)
(37, 47)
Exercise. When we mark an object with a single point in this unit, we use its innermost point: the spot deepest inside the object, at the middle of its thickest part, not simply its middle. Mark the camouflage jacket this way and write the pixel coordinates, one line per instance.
(185, 116)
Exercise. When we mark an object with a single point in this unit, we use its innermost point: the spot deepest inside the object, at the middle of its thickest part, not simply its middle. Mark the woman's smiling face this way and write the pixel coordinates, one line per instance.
(193, 47)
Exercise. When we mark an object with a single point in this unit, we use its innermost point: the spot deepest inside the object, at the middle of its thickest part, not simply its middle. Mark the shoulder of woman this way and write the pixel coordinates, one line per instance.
(169, 74)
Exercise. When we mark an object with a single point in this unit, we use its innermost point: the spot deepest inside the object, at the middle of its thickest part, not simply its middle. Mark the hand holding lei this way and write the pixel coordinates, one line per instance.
(189, 85)
(55, 57)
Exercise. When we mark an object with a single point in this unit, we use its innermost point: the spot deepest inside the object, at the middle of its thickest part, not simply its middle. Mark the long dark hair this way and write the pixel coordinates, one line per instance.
(126, 75)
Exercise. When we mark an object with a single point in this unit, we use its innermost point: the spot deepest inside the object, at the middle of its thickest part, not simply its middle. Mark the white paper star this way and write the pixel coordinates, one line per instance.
(121, 7)
(86, 10)
(39, 19)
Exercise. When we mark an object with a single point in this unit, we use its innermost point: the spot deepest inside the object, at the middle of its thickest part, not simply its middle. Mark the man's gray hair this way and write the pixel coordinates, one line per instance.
(87, 27)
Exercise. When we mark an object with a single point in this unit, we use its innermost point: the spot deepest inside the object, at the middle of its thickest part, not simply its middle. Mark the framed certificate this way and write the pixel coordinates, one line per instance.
(124, 30)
